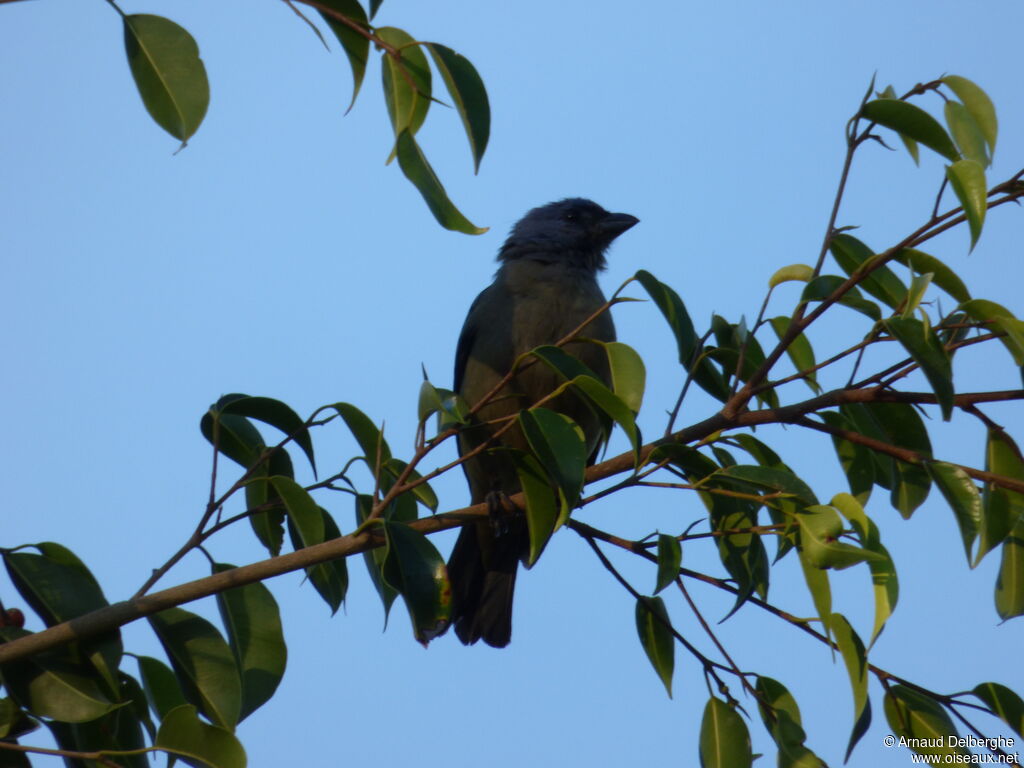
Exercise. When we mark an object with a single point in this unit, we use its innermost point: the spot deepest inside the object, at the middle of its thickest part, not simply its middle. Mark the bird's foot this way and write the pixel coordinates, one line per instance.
(500, 511)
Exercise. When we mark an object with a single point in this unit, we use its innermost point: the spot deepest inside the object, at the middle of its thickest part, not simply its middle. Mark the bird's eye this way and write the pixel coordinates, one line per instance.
(569, 216)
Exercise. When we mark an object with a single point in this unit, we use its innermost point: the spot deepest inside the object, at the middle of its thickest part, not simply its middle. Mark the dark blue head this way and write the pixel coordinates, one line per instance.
(575, 231)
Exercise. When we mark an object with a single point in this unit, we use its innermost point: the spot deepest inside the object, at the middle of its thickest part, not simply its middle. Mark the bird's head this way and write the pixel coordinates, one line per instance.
(573, 231)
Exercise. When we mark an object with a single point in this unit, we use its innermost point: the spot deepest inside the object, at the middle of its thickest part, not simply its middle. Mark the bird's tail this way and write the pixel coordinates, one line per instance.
(482, 570)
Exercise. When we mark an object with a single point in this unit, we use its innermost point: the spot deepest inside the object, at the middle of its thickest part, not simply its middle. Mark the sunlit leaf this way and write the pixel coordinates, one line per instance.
(414, 568)
(978, 104)
(855, 658)
(799, 272)
(922, 721)
(966, 133)
(184, 735)
(912, 122)
(968, 181)
(925, 348)
(1004, 703)
(724, 738)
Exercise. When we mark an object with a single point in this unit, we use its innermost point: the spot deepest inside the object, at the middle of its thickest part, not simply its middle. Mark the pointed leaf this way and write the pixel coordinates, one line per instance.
(670, 557)
(234, 436)
(855, 658)
(466, 88)
(652, 624)
(276, 414)
(820, 527)
(164, 60)
(161, 686)
(773, 479)
(724, 738)
(912, 122)
(414, 568)
(858, 462)
(966, 133)
(612, 405)
(799, 350)
(819, 586)
(944, 277)
(203, 664)
(925, 348)
(417, 170)
(1002, 507)
(184, 735)
(968, 181)
(852, 255)
(542, 508)
(963, 498)
(374, 558)
(629, 375)
(978, 104)
(1004, 704)
(407, 86)
(371, 440)
(922, 722)
(355, 45)
(823, 286)
(781, 717)
(1002, 320)
(558, 445)
(253, 622)
(1010, 582)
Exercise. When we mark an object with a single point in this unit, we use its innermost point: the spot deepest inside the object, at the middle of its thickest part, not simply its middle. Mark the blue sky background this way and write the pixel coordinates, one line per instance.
(278, 256)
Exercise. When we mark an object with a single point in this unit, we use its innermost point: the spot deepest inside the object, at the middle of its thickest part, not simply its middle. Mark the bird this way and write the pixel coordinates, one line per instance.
(545, 288)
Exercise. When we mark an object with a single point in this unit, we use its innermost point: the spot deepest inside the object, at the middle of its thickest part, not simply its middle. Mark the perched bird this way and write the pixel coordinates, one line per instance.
(545, 288)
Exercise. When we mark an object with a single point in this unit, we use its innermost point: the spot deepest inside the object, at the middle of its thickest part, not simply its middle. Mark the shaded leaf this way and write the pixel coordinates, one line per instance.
(1004, 704)
(355, 45)
(821, 591)
(371, 440)
(670, 557)
(170, 76)
(202, 662)
(1002, 507)
(374, 558)
(781, 717)
(968, 181)
(253, 622)
(963, 498)
(772, 479)
(204, 746)
(234, 436)
(558, 445)
(406, 80)
(466, 88)
(925, 348)
(542, 507)
(1001, 319)
(922, 721)
(852, 256)
(857, 461)
(414, 165)
(414, 568)
(652, 625)
(912, 122)
(823, 286)
(924, 263)
(1010, 582)
(724, 738)
(160, 685)
(276, 414)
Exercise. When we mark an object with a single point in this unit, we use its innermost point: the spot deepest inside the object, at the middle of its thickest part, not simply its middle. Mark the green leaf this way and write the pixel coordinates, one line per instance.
(374, 558)
(406, 80)
(910, 144)
(798, 272)
(821, 591)
(203, 664)
(857, 461)
(912, 122)
(963, 498)
(53, 684)
(183, 734)
(268, 524)
(781, 717)
(374, 5)
(612, 405)
(855, 658)
(233, 436)
(450, 408)
(820, 527)
(923, 263)
(922, 721)
(724, 738)
(276, 414)
(371, 440)
(1001, 319)
(687, 341)
(558, 445)
(422, 492)
(799, 350)
(670, 557)
(925, 348)
(978, 105)
(772, 479)
(161, 686)
(823, 286)
(164, 60)
(253, 622)
(853, 256)
(355, 45)
(968, 181)
(652, 624)
(14, 721)
(414, 568)
(59, 587)
(466, 88)
(1002, 507)
(885, 584)
(1004, 704)
(414, 165)
(629, 375)
(303, 512)
(918, 286)
(966, 132)
(1010, 582)
(542, 508)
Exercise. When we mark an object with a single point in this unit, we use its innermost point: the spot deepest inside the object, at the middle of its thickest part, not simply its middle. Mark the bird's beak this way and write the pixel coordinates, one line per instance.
(614, 224)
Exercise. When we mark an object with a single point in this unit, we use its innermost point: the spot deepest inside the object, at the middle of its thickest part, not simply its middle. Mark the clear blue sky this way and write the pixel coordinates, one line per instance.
(278, 256)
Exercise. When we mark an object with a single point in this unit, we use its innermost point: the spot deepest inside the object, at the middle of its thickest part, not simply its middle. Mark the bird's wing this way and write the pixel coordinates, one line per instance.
(466, 339)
